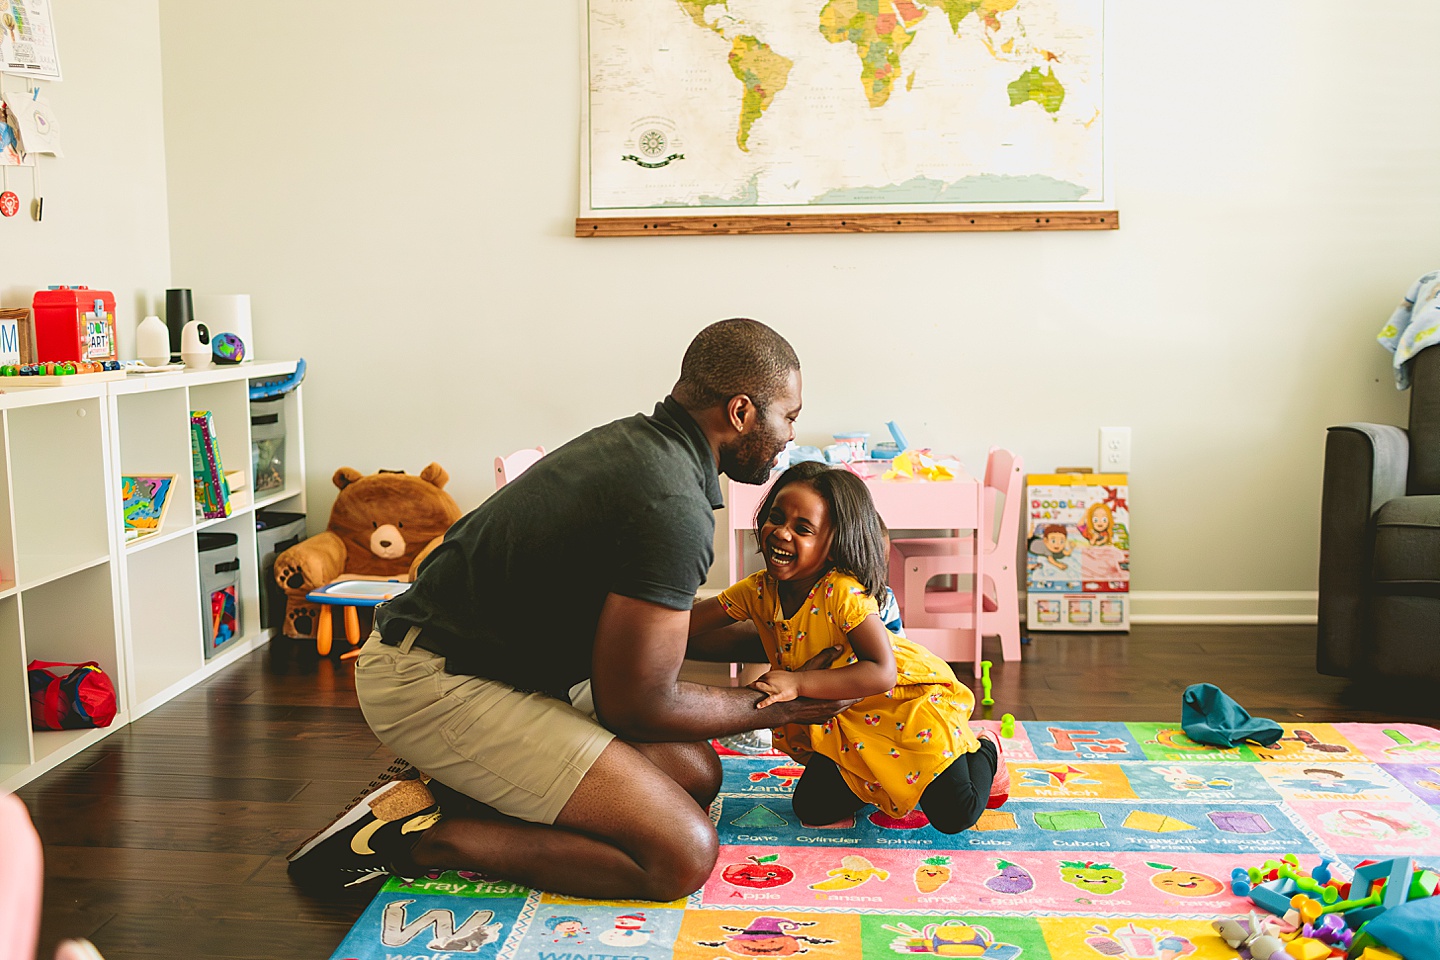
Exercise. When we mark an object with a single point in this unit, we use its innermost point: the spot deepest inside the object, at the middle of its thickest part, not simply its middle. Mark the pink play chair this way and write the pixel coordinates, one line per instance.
(508, 468)
(914, 563)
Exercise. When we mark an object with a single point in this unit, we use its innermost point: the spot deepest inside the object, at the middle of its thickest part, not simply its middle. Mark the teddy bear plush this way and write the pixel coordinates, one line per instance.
(381, 525)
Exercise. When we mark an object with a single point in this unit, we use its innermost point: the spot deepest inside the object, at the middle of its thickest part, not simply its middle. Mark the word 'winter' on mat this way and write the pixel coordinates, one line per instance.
(1118, 841)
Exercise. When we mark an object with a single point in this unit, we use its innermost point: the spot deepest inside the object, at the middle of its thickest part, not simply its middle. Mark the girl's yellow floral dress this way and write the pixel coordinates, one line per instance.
(889, 746)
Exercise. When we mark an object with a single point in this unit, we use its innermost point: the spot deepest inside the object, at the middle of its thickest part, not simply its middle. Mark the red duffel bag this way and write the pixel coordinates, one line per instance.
(69, 696)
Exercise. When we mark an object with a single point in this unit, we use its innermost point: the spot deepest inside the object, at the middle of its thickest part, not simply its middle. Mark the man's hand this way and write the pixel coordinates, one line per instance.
(807, 711)
(639, 648)
(823, 659)
(778, 685)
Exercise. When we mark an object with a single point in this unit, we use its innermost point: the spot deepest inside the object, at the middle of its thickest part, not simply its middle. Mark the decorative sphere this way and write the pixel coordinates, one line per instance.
(227, 347)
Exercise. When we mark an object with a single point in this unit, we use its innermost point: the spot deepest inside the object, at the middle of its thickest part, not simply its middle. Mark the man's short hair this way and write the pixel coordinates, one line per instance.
(732, 357)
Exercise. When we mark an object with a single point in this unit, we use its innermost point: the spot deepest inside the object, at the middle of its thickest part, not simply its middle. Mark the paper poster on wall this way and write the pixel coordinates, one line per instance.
(27, 39)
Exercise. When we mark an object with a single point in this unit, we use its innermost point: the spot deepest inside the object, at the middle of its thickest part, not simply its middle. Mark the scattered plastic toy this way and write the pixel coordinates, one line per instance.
(1274, 885)
(1251, 934)
(1316, 914)
(1332, 930)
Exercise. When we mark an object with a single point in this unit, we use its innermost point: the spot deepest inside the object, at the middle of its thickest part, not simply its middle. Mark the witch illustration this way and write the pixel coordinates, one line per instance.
(767, 937)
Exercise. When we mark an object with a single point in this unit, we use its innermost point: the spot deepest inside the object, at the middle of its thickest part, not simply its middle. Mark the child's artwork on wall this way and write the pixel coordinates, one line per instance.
(34, 119)
(145, 499)
(12, 151)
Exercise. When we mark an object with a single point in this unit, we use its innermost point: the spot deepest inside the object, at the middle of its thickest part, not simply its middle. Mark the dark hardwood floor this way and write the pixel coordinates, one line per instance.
(168, 839)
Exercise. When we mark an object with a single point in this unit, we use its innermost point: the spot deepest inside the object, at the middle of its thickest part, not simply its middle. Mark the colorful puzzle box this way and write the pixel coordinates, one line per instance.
(1077, 554)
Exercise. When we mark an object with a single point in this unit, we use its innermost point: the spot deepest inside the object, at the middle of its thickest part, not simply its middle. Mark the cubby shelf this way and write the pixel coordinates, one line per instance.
(60, 573)
(133, 547)
(53, 746)
(72, 588)
(214, 521)
(271, 499)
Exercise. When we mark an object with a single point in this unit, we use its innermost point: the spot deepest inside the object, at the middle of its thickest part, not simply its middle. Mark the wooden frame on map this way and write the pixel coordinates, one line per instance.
(979, 220)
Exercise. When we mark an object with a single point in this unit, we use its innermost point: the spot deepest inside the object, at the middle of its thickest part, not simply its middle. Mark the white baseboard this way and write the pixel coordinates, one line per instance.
(1229, 606)
(1208, 606)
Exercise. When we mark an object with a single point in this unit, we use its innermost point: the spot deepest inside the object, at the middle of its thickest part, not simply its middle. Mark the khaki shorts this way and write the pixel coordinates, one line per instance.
(522, 753)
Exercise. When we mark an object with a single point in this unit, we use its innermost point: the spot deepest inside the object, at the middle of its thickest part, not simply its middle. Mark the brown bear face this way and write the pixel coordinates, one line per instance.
(387, 518)
(388, 541)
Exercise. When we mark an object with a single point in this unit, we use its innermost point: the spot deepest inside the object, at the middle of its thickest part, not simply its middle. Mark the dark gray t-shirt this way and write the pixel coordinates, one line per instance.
(514, 592)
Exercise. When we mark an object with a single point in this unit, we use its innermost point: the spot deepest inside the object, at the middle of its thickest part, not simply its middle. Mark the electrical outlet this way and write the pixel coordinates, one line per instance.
(1114, 449)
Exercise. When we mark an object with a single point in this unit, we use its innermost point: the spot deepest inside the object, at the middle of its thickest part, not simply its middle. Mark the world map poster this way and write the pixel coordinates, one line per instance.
(818, 106)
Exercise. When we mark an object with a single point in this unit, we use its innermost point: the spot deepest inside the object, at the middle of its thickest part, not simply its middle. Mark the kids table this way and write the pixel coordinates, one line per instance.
(349, 595)
(957, 504)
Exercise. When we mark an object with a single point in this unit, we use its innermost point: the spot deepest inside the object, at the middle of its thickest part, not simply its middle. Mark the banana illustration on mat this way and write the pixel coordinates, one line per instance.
(853, 871)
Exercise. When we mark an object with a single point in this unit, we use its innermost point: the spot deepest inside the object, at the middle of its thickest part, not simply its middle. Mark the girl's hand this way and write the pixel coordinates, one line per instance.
(779, 686)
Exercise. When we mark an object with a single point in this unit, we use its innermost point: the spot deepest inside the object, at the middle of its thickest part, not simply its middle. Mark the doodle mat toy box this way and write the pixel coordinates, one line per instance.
(1077, 555)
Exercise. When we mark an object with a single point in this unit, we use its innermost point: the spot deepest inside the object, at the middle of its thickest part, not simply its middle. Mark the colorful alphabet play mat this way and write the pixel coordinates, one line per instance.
(1118, 841)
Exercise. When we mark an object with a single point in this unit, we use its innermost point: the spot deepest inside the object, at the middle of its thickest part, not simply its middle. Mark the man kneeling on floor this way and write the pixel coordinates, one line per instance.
(532, 671)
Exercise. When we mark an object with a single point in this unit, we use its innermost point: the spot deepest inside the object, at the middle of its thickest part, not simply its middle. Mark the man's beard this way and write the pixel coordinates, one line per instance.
(747, 461)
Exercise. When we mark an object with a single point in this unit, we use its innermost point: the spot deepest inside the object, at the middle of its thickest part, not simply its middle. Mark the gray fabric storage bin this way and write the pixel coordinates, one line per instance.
(219, 590)
(275, 532)
(267, 445)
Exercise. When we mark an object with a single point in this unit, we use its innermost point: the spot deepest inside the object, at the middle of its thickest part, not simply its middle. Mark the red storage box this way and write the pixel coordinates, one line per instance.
(74, 323)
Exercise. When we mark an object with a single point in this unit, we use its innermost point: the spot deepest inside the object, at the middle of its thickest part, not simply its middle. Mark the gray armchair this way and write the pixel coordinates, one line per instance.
(1380, 542)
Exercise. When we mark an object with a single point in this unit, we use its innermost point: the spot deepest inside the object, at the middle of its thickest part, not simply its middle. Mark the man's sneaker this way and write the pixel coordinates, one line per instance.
(752, 742)
(368, 840)
(1000, 786)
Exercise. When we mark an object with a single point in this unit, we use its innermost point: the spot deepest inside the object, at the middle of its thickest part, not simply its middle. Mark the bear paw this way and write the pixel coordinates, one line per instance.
(300, 621)
(291, 575)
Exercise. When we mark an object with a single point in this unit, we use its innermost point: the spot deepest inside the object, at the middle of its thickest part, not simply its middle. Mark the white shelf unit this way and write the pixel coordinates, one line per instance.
(72, 589)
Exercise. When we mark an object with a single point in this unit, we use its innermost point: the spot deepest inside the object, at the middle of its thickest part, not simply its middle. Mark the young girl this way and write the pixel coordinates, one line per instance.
(908, 742)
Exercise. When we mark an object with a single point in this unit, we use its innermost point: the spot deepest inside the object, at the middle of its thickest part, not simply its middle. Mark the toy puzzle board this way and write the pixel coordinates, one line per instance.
(1118, 841)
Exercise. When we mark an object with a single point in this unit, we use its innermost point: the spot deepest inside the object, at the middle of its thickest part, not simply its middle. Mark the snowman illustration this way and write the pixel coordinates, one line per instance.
(628, 931)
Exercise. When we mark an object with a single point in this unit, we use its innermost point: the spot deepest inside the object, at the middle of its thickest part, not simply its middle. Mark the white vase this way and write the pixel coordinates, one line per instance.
(152, 342)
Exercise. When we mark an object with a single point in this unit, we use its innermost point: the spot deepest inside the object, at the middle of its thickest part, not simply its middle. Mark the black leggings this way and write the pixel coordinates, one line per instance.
(953, 801)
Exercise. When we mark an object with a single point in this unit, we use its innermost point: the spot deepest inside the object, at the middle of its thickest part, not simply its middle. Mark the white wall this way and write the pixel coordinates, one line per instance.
(106, 223)
(399, 200)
